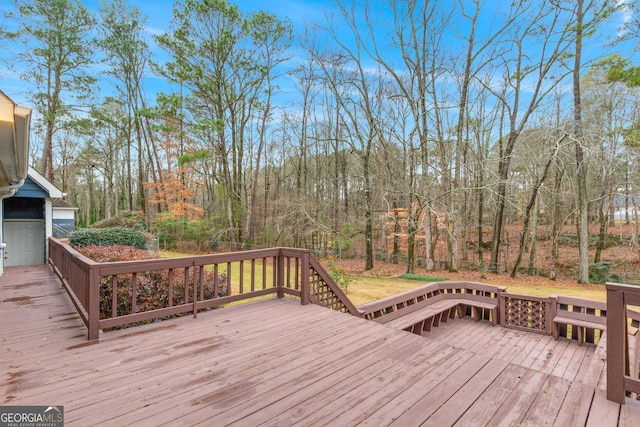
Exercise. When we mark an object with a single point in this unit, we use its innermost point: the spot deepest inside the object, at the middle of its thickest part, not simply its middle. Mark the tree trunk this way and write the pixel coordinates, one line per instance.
(581, 165)
(534, 239)
(533, 203)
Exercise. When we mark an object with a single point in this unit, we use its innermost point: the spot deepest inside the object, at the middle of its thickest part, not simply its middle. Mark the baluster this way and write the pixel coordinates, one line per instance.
(215, 281)
(590, 333)
(229, 279)
(186, 285)
(134, 293)
(201, 280)
(170, 287)
(114, 296)
(253, 275)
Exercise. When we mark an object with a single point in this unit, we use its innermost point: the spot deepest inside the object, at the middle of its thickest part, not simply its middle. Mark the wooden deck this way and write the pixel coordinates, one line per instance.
(276, 362)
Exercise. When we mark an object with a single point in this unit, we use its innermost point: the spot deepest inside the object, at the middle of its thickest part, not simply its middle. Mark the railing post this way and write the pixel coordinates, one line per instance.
(552, 310)
(616, 345)
(93, 309)
(500, 312)
(305, 286)
(196, 276)
(502, 309)
(280, 275)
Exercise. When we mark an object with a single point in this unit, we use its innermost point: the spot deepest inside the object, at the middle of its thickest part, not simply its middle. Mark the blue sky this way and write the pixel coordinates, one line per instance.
(159, 13)
(300, 13)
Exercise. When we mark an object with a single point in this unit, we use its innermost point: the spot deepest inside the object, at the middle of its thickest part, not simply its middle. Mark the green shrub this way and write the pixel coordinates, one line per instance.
(167, 241)
(599, 272)
(408, 276)
(108, 236)
(338, 274)
(178, 232)
(127, 220)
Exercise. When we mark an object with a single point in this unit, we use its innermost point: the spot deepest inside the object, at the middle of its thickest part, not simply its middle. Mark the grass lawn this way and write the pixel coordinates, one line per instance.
(235, 273)
(363, 289)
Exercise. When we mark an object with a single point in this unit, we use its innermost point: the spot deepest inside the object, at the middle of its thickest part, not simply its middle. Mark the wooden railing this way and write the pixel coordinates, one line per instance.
(532, 314)
(620, 380)
(114, 294)
(203, 282)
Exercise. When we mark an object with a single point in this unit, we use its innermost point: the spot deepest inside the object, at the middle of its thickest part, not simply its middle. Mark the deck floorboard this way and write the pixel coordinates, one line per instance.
(276, 362)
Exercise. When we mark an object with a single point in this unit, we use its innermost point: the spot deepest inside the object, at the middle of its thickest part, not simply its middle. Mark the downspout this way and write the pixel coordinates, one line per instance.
(5, 193)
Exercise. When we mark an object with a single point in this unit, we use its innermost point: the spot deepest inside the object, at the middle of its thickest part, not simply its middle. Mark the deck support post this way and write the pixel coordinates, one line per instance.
(616, 345)
(280, 275)
(93, 311)
(551, 308)
(305, 286)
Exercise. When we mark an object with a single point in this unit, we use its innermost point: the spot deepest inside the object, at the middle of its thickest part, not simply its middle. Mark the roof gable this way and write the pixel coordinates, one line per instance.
(37, 186)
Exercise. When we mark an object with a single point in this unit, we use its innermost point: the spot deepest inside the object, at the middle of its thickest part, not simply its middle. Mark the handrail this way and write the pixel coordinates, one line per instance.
(619, 380)
(189, 284)
(340, 297)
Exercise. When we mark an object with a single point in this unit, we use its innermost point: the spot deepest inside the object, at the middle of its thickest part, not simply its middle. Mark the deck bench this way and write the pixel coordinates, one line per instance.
(427, 316)
(425, 307)
(585, 316)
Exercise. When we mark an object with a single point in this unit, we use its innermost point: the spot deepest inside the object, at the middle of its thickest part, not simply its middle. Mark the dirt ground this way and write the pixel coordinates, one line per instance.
(621, 252)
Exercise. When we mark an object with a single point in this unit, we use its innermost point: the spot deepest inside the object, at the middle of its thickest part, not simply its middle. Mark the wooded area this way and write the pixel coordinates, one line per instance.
(386, 128)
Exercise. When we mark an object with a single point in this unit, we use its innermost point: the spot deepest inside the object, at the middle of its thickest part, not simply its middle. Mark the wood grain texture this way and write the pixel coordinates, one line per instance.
(276, 362)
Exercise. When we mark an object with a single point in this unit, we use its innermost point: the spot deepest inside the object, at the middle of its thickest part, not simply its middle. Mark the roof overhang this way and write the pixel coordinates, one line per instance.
(15, 122)
(54, 192)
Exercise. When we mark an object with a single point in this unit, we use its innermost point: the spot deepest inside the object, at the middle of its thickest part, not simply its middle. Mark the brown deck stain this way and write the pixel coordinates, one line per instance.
(83, 344)
(15, 381)
(70, 313)
(196, 342)
(25, 300)
(211, 376)
(25, 285)
(207, 348)
(146, 331)
(240, 391)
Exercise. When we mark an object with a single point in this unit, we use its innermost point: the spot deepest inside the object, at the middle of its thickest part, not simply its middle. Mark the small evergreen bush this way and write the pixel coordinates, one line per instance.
(408, 276)
(338, 274)
(125, 219)
(599, 272)
(107, 237)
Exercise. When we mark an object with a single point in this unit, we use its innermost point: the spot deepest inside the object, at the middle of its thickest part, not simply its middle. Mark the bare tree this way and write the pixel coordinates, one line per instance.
(523, 71)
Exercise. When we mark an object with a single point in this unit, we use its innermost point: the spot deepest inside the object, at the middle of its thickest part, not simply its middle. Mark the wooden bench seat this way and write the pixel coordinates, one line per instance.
(476, 309)
(424, 307)
(585, 316)
(427, 316)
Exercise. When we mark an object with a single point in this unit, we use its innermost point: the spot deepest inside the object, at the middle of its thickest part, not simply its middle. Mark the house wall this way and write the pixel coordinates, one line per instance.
(64, 222)
(34, 187)
(31, 202)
